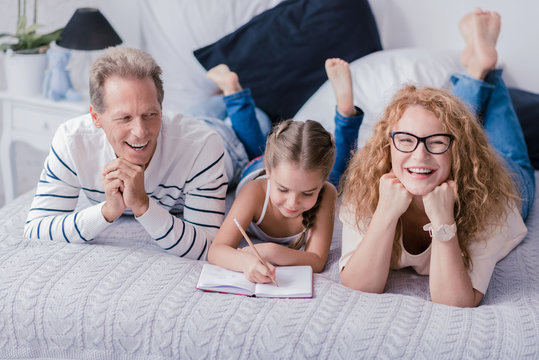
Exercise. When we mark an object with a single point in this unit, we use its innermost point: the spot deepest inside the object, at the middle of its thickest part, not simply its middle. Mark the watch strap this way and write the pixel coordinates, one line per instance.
(443, 232)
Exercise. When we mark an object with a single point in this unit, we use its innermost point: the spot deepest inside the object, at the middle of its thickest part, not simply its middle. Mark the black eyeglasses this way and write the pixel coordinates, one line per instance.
(435, 144)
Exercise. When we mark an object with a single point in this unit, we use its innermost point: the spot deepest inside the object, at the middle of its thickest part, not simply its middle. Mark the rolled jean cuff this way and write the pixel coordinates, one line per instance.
(346, 120)
(474, 92)
(237, 95)
(346, 133)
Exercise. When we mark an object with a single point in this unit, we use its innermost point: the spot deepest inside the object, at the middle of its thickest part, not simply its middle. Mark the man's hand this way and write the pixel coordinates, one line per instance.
(128, 179)
(114, 205)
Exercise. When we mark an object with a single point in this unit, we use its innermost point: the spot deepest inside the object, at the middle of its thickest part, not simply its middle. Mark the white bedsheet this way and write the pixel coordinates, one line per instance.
(122, 297)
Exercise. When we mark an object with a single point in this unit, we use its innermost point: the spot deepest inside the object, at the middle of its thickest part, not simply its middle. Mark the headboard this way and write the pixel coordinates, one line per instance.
(171, 29)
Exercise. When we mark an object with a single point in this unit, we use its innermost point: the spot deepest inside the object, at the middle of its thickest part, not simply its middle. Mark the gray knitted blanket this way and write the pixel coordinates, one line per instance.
(122, 297)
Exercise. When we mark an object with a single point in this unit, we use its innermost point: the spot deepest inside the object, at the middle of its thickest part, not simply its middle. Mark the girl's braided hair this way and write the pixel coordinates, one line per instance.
(311, 147)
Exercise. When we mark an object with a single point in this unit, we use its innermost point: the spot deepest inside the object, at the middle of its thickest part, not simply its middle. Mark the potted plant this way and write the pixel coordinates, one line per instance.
(25, 60)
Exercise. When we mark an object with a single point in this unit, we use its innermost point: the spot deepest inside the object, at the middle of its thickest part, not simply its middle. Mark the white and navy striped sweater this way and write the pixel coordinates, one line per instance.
(186, 175)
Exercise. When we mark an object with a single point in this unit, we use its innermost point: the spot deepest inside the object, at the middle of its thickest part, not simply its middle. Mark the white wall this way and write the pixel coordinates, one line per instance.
(402, 23)
(433, 24)
(53, 14)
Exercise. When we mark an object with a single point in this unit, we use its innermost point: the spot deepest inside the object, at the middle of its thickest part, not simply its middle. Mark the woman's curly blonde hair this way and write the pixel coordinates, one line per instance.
(484, 186)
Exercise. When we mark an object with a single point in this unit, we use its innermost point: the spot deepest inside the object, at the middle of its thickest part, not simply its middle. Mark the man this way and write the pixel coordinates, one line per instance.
(126, 158)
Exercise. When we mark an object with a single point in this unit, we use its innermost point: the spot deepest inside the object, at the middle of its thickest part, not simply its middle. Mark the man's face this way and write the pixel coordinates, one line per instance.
(131, 119)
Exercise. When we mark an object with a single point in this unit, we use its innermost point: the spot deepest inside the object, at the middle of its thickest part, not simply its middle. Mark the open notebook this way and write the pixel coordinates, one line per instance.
(294, 282)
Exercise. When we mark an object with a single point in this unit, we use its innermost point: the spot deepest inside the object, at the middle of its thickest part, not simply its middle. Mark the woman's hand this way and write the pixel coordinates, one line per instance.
(368, 267)
(394, 199)
(439, 204)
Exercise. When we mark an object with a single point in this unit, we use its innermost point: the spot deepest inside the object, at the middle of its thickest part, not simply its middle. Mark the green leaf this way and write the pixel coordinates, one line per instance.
(28, 38)
(32, 28)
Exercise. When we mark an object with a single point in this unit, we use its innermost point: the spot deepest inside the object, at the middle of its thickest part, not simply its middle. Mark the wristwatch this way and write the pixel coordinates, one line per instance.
(442, 232)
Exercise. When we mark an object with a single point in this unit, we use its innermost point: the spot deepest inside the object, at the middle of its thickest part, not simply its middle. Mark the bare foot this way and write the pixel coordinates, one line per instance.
(227, 80)
(340, 77)
(465, 27)
(480, 30)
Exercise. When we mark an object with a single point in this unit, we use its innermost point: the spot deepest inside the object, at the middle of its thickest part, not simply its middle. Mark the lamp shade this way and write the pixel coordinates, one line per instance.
(88, 29)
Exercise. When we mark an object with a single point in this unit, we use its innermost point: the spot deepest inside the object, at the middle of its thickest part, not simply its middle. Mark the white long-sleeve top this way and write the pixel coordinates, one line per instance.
(185, 175)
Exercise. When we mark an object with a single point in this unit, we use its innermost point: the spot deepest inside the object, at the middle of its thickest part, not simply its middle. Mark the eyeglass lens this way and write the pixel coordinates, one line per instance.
(435, 144)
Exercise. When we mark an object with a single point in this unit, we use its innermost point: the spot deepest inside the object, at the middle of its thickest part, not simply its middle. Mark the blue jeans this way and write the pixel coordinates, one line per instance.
(346, 133)
(490, 100)
(232, 117)
(245, 139)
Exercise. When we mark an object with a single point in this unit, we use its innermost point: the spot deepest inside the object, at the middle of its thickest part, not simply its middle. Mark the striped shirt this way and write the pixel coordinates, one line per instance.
(186, 176)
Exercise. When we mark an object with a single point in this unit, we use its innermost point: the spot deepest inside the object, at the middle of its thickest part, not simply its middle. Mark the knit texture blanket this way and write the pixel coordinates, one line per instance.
(122, 297)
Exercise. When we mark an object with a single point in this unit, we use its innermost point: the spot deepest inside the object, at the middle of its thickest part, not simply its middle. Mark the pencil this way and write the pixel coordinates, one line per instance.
(254, 248)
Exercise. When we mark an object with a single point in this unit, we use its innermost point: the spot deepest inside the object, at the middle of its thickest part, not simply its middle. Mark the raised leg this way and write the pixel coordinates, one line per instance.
(241, 110)
(484, 90)
(348, 118)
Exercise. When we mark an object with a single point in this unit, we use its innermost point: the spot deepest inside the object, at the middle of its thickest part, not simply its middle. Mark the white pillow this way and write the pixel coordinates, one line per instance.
(376, 77)
(172, 29)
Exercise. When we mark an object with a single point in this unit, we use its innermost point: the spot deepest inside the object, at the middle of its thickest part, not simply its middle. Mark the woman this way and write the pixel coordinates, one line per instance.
(437, 188)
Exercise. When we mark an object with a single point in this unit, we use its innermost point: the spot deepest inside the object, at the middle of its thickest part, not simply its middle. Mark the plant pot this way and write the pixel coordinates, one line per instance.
(24, 73)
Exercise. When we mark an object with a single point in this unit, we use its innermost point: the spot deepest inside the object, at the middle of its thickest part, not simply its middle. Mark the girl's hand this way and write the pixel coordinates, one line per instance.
(439, 204)
(257, 272)
(394, 199)
(266, 250)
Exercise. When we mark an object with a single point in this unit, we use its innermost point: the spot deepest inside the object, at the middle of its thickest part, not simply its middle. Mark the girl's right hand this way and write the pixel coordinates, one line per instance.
(256, 272)
(394, 199)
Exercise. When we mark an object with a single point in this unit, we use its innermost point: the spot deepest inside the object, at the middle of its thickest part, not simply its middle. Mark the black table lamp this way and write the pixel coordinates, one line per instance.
(88, 29)
(86, 33)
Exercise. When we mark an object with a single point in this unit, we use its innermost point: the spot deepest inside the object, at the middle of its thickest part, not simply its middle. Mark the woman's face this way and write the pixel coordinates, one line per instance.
(420, 171)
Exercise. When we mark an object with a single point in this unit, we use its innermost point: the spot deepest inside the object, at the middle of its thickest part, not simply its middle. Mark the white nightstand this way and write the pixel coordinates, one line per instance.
(32, 120)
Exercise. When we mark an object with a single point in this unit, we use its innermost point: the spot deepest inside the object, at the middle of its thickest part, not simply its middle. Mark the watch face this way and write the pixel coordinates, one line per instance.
(442, 233)
(446, 232)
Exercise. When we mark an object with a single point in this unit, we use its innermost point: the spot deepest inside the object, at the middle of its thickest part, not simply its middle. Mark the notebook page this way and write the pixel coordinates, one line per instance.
(216, 278)
(294, 281)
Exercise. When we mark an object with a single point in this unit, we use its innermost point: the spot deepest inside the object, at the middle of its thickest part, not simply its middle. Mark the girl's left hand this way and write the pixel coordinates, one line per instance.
(266, 250)
(439, 203)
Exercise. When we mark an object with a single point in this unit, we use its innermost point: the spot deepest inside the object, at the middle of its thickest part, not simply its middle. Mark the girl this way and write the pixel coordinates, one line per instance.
(290, 209)
(429, 191)
(244, 127)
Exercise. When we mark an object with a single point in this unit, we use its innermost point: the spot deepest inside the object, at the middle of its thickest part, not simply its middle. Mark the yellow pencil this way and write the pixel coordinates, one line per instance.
(254, 249)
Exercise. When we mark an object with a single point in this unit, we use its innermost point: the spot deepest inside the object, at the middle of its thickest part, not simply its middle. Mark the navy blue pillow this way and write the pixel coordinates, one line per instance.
(527, 108)
(280, 53)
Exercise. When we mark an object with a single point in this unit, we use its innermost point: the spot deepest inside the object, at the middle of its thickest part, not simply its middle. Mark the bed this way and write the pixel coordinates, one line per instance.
(122, 297)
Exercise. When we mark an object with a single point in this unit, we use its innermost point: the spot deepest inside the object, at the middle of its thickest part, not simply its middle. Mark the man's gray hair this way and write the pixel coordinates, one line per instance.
(126, 63)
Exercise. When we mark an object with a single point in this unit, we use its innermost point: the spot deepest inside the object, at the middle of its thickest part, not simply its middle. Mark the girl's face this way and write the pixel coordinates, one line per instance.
(420, 171)
(292, 190)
